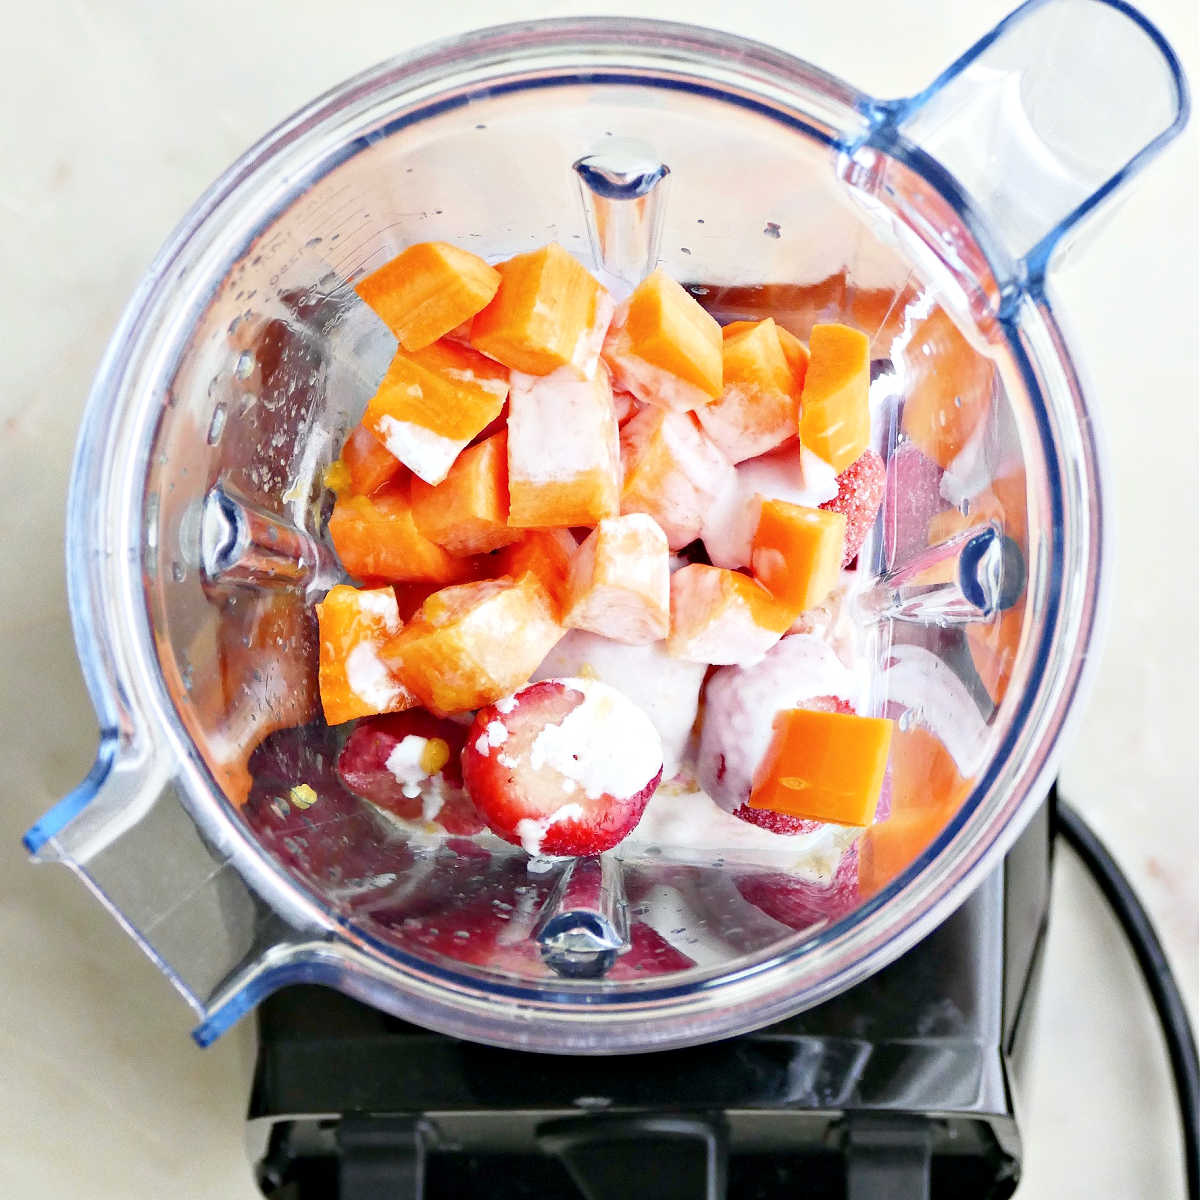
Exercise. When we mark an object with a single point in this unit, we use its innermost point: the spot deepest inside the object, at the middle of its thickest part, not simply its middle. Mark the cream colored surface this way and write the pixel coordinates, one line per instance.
(115, 116)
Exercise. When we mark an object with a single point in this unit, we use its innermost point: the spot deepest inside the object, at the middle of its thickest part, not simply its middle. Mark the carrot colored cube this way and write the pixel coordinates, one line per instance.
(369, 463)
(672, 472)
(467, 513)
(664, 348)
(797, 552)
(619, 583)
(795, 354)
(759, 405)
(354, 681)
(549, 312)
(824, 766)
(891, 846)
(472, 644)
(948, 389)
(428, 289)
(563, 459)
(723, 617)
(432, 403)
(544, 553)
(835, 421)
(376, 537)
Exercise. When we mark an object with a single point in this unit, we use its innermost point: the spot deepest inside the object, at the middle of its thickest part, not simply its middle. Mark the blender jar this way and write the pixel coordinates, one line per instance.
(214, 824)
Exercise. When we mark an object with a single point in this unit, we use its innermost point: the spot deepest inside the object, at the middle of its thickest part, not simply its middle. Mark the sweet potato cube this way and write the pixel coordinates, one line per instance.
(369, 463)
(473, 644)
(544, 553)
(467, 513)
(724, 617)
(563, 459)
(548, 313)
(354, 680)
(664, 348)
(835, 421)
(377, 538)
(672, 472)
(795, 354)
(667, 327)
(759, 405)
(824, 766)
(432, 403)
(891, 846)
(428, 289)
(619, 583)
(797, 552)
(948, 389)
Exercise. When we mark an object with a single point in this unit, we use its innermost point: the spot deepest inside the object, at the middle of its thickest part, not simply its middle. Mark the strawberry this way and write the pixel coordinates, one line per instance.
(913, 496)
(800, 903)
(859, 495)
(363, 767)
(564, 767)
(777, 822)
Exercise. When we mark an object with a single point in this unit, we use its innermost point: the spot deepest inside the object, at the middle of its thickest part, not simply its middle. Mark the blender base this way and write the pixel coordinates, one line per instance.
(903, 1086)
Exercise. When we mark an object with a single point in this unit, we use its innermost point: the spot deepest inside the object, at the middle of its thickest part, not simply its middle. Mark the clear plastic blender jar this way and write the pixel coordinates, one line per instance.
(196, 526)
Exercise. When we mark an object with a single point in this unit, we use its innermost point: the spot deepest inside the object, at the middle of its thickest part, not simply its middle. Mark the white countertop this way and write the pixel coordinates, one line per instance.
(116, 116)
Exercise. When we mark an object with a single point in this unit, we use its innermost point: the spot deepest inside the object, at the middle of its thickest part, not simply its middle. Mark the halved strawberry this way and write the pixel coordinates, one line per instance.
(564, 767)
(777, 822)
(860, 493)
(413, 777)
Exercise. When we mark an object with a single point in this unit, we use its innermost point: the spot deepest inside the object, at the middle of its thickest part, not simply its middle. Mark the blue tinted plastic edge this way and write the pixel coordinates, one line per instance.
(888, 116)
(55, 819)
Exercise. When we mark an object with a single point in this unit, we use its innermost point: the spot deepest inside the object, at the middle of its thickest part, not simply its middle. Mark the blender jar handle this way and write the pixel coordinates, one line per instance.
(1041, 121)
(194, 914)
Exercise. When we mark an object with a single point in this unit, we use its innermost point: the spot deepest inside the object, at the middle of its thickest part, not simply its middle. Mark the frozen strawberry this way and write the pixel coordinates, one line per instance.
(564, 767)
(408, 763)
(860, 493)
(912, 497)
(649, 954)
(777, 822)
(801, 903)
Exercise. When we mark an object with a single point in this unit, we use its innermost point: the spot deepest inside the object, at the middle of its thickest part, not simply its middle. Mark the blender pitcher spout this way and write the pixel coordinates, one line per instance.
(195, 916)
(1038, 124)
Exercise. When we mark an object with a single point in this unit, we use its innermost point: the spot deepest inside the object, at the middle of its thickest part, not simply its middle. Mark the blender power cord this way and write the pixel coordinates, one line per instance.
(1164, 991)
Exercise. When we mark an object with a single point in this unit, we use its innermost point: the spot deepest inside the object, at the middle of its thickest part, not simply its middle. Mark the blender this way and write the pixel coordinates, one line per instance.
(196, 520)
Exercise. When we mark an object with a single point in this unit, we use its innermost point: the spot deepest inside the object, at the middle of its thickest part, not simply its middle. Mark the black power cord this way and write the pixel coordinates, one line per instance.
(1164, 991)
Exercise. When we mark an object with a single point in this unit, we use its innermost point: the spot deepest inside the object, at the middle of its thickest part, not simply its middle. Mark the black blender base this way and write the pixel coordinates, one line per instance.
(900, 1088)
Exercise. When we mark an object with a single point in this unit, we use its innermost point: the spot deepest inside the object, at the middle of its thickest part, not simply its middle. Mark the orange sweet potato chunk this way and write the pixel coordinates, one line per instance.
(797, 552)
(354, 682)
(472, 644)
(432, 403)
(824, 766)
(619, 584)
(467, 513)
(892, 846)
(672, 472)
(564, 466)
(835, 421)
(369, 464)
(759, 405)
(723, 617)
(427, 290)
(948, 393)
(546, 555)
(544, 314)
(668, 329)
(376, 537)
